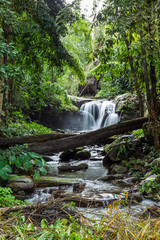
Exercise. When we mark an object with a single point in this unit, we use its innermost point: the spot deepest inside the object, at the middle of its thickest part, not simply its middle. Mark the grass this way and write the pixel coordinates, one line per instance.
(114, 225)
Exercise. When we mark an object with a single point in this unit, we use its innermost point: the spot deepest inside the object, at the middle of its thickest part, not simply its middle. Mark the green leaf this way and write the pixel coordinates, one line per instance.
(27, 165)
(3, 174)
(43, 170)
(44, 223)
(18, 163)
(44, 235)
(7, 168)
(36, 175)
(34, 155)
(30, 226)
(12, 159)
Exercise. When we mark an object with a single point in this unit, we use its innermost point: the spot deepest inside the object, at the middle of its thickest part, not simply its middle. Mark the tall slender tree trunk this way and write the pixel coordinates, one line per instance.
(151, 87)
(136, 84)
(1, 91)
(7, 38)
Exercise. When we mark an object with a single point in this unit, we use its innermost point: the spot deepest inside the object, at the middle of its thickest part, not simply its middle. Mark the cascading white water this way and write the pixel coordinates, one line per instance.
(98, 114)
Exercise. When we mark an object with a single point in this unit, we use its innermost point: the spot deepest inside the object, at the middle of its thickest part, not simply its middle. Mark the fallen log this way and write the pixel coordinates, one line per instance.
(59, 203)
(49, 143)
(93, 137)
(7, 142)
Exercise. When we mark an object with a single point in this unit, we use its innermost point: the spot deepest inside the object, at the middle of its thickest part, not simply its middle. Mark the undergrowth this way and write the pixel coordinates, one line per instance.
(18, 158)
(113, 225)
(24, 129)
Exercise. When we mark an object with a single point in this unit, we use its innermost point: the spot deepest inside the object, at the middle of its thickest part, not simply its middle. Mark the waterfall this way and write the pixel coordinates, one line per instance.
(98, 114)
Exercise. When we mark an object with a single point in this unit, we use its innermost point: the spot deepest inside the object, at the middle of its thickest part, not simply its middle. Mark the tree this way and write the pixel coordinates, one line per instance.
(136, 24)
(35, 29)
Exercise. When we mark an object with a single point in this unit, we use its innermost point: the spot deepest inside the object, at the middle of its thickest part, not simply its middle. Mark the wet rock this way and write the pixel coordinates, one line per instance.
(120, 148)
(112, 153)
(132, 180)
(123, 183)
(106, 178)
(21, 193)
(20, 183)
(67, 155)
(116, 168)
(68, 168)
(110, 177)
(107, 161)
(82, 155)
(127, 105)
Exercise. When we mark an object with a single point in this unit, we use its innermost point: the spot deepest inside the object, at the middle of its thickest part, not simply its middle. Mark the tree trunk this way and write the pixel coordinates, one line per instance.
(49, 143)
(136, 84)
(7, 142)
(1, 91)
(7, 37)
(94, 137)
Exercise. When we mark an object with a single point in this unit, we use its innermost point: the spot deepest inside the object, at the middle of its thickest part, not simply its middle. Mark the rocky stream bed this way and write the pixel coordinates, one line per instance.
(92, 188)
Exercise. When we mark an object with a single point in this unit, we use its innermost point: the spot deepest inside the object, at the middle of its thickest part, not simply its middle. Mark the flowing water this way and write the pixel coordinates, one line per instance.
(98, 114)
(94, 189)
(95, 114)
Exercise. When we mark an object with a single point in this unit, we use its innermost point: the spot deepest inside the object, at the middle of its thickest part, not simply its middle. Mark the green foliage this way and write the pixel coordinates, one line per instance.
(35, 53)
(150, 186)
(24, 129)
(18, 158)
(138, 133)
(121, 150)
(114, 225)
(124, 146)
(7, 199)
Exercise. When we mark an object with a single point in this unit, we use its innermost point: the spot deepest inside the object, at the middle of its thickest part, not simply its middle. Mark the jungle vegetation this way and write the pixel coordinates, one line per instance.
(47, 50)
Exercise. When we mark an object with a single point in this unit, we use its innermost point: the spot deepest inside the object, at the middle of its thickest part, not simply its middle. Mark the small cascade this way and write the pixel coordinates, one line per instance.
(98, 114)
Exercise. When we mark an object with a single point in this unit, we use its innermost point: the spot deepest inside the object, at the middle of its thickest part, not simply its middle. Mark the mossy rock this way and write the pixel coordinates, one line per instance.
(118, 169)
(67, 155)
(120, 149)
(46, 181)
(82, 155)
(19, 183)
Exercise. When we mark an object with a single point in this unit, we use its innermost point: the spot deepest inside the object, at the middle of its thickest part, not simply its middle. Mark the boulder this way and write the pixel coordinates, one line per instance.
(67, 155)
(120, 148)
(118, 169)
(70, 154)
(127, 105)
(21, 183)
(82, 155)
(110, 177)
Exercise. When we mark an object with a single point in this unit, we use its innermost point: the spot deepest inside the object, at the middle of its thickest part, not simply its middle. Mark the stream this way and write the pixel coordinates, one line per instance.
(94, 189)
(94, 115)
